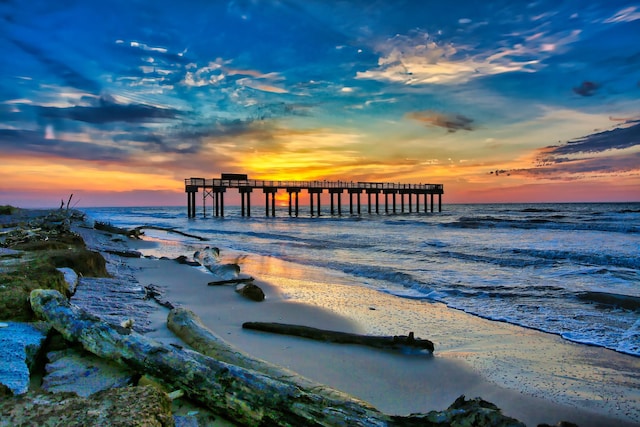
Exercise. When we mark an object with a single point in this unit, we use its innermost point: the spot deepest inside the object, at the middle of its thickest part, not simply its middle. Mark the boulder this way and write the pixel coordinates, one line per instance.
(116, 301)
(251, 291)
(122, 407)
(71, 277)
(82, 373)
(20, 344)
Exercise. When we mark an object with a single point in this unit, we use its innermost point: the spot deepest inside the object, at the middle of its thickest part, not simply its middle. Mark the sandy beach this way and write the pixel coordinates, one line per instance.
(532, 376)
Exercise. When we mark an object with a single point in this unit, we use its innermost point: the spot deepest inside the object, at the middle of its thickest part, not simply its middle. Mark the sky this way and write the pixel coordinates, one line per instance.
(117, 102)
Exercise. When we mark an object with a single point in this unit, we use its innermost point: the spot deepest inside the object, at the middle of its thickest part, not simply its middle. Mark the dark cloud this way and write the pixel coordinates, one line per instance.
(579, 156)
(586, 88)
(622, 137)
(31, 142)
(451, 122)
(107, 111)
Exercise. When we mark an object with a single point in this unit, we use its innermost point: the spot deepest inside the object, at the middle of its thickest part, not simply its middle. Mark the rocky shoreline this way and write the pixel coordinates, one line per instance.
(51, 380)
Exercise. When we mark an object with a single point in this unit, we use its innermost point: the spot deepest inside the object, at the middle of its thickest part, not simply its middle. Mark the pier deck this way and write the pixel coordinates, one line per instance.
(217, 187)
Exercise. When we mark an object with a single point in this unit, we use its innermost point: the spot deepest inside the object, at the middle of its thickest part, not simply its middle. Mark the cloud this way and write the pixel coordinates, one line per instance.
(107, 111)
(625, 136)
(34, 143)
(451, 122)
(628, 14)
(420, 58)
(604, 153)
(586, 88)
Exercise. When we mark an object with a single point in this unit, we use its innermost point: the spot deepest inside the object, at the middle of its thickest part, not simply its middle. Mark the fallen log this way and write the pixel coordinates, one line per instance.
(169, 230)
(235, 281)
(189, 328)
(243, 395)
(385, 342)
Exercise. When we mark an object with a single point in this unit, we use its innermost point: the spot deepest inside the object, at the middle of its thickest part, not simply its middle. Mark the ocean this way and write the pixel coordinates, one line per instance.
(567, 269)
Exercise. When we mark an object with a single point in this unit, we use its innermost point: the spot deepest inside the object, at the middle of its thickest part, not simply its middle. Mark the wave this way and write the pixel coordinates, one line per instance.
(590, 258)
(554, 222)
(607, 299)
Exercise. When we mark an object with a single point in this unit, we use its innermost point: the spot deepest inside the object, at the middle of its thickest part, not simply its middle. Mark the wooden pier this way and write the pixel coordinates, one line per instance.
(216, 188)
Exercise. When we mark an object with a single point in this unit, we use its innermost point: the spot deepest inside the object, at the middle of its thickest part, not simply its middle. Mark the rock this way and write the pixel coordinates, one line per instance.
(115, 300)
(121, 407)
(207, 256)
(82, 373)
(20, 344)
(251, 291)
(463, 412)
(71, 277)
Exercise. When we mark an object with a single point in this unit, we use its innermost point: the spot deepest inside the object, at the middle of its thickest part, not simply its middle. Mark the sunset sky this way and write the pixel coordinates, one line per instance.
(501, 101)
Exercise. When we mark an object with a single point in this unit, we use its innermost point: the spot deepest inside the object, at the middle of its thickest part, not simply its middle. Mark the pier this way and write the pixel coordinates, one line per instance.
(394, 195)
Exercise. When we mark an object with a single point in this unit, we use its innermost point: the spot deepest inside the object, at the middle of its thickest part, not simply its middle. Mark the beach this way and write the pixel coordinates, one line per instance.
(467, 348)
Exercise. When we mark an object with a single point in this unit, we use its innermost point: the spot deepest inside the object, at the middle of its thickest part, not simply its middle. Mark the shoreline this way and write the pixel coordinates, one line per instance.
(394, 383)
(531, 376)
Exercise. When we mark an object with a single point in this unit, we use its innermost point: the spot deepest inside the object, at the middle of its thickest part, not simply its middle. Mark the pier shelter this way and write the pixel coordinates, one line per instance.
(217, 187)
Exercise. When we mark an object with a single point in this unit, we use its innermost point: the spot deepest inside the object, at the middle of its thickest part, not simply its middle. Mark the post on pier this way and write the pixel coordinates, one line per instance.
(245, 192)
(431, 202)
(331, 203)
(410, 203)
(270, 201)
(439, 202)
(338, 193)
(191, 191)
(293, 191)
(317, 192)
(353, 191)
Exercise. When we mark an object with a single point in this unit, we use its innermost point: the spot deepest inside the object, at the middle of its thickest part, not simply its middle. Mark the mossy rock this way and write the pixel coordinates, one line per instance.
(7, 210)
(60, 241)
(16, 285)
(83, 261)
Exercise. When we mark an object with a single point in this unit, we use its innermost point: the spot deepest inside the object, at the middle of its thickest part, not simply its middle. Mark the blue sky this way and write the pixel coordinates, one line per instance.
(498, 100)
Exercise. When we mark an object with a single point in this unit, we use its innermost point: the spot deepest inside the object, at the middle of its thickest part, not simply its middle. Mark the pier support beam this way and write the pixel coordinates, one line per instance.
(191, 191)
(270, 191)
(317, 192)
(295, 191)
(356, 191)
(245, 192)
(217, 203)
(338, 193)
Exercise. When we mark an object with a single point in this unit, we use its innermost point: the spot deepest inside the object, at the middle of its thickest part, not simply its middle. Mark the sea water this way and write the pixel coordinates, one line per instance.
(567, 269)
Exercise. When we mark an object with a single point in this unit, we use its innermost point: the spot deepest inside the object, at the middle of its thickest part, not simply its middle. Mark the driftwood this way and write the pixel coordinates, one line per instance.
(385, 342)
(246, 396)
(189, 328)
(169, 230)
(235, 281)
